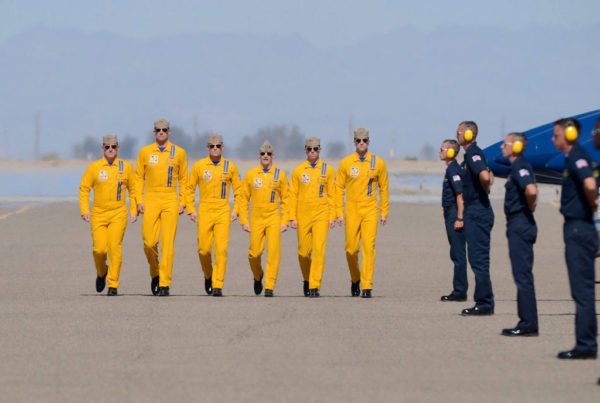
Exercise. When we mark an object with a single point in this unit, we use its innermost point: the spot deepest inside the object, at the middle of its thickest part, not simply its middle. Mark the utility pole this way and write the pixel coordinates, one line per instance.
(36, 143)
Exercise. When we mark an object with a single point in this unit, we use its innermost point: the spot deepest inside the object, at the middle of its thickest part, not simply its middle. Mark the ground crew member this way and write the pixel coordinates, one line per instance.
(578, 201)
(160, 167)
(479, 217)
(312, 213)
(213, 175)
(358, 176)
(109, 177)
(267, 187)
(521, 230)
(453, 206)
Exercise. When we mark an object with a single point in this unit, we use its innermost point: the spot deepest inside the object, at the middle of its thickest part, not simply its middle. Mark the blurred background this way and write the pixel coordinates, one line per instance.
(72, 71)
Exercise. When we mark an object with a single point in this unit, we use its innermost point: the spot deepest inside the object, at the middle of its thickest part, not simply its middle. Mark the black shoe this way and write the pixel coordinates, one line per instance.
(305, 289)
(477, 311)
(314, 293)
(355, 289)
(208, 285)
(258, 287)
(576, 355)
(163, 291)
(217, 292)
(111, 291)
(519, 332)
(268, 293)
(453, 297)
(366, 294)
(100, 283)
(154, 285)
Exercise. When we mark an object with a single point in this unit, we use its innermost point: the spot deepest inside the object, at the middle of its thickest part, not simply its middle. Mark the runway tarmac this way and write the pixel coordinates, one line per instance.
(61, 341)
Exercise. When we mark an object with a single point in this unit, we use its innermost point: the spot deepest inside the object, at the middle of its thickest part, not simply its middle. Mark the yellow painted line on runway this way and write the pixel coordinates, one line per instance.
(18, 211)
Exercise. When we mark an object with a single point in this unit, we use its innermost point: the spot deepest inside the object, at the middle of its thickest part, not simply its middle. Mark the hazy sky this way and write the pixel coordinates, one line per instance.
(324, 23)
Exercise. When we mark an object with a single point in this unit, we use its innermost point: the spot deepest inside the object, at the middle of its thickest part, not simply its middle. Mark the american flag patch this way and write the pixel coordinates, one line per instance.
(580, 163)
(523, 172)
(476, 158)
(456, 178)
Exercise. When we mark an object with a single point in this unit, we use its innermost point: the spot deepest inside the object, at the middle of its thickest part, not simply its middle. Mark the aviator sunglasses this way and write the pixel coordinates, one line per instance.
(215, 145)
(114, 147)
(157, 130)
(358, 141)
(268, 153)
(309, 149)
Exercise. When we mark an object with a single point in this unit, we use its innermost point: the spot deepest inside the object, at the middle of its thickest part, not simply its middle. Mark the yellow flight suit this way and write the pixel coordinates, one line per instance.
(361, 178)
(268, 190)
(109, 212)
(312, 204)
(214, 218)
(159, 172)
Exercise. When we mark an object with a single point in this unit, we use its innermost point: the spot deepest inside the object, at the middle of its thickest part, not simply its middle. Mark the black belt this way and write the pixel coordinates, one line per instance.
(518, 213)
(471, 202)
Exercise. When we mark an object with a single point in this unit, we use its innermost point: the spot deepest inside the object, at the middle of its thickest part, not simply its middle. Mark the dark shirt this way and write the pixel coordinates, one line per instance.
(520, 175)
(578, 167)
(453, 184)
(475, 162)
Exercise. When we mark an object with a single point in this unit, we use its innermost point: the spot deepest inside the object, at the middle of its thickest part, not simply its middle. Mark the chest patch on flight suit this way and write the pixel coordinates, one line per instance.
(354, 172)
(207, 176)
(102, 176)
(153, 160)
(257, 183)
(305, 179)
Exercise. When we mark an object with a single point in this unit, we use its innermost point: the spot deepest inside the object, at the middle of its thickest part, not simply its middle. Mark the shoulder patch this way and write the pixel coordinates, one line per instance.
(456, 178)
(581, 163)
(523, 172)
(476, 158)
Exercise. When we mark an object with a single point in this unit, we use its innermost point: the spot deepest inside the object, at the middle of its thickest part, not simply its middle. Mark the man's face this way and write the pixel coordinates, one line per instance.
(162, 134)
(443, 148)
(266, 157)
(559, 140)
(110, 150)
(312, 152)
(506, 147)
(460, 134)
(215, 150)
(362, 145)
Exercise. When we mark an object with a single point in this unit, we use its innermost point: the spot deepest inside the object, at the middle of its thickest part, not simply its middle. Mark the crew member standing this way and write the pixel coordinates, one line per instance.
(214, 175)
(109, 177)
(357, 179)
(266, 186)
(160, 167)
(479, 217)
(312, 213)
(453, 206)
(578, 201)
(520, 200)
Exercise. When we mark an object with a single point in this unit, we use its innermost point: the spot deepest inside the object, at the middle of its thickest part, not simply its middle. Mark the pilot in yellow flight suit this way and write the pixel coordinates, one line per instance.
(109, 177)
(360, 173)
(267, 186)
(213, 175)
(312, 212)
(160, 167)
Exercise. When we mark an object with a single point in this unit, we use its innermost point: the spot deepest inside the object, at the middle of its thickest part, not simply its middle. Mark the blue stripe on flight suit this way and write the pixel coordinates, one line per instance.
(275, 178)
(224, 184)
(170, 174)
(323, 174)
(121, 169)
(370, 186)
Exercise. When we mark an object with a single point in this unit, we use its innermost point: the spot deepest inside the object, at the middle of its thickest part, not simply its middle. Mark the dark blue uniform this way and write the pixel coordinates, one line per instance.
(581, 243)
(521, 232)
(453, 185)
(479, 220)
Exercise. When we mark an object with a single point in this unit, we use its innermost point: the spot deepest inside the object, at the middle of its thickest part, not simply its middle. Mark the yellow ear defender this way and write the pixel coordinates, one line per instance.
(571, 133)
(517, 147)
(450, 153)
(468, 135)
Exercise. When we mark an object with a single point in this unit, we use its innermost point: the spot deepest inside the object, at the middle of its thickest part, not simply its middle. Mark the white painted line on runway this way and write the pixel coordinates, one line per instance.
(18, 211)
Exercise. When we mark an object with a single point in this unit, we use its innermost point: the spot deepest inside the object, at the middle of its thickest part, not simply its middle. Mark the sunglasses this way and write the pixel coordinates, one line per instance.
(443, 150)
(114, 147)
(157, 130)
(268, 153)
(309, 149)
(358, 141)
(215, 146)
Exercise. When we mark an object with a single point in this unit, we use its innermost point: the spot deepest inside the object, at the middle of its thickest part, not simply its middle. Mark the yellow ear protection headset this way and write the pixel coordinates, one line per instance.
(468, 135)
(517, 147)
(450, 153)
(571, 132)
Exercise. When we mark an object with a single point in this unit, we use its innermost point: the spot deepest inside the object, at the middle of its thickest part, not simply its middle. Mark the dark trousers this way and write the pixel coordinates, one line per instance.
(521, 232)
(581, 243)
(479, 220)
(458, 252)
